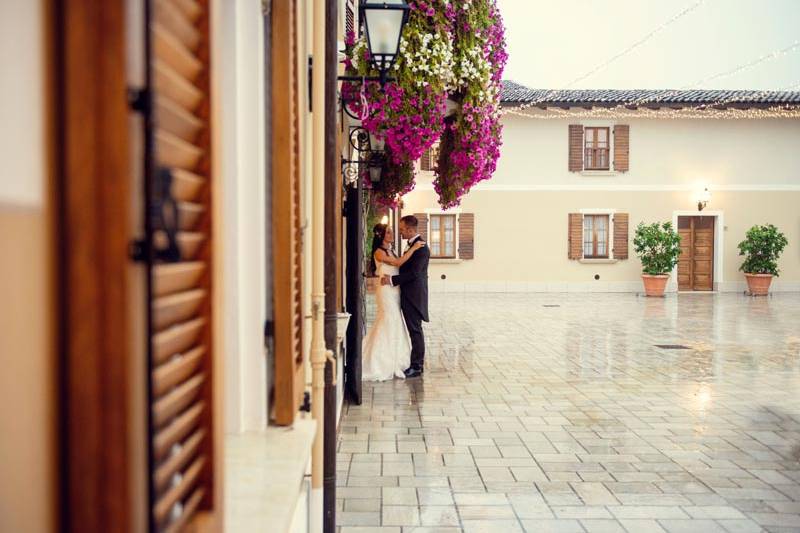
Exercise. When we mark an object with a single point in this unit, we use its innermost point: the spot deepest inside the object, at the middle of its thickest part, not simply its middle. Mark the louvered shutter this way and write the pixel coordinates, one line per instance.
(350, 17)
(575, 148)
(286, 215)
(181, 394)
(575, 236)
(466, 236)
(620, 236)
(422, 227)
(621, 147)
(425, 163)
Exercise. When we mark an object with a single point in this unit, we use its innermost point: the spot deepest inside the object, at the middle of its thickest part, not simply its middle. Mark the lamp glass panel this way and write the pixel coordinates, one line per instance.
(383, 26)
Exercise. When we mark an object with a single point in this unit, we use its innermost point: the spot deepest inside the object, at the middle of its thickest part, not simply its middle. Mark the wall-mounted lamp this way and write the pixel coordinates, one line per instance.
(703, 198)
(385, 219)
(370, 157)
(384, 21)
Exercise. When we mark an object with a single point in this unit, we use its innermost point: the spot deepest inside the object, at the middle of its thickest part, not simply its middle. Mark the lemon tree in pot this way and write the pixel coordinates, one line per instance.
(761, 247)
(658, 246)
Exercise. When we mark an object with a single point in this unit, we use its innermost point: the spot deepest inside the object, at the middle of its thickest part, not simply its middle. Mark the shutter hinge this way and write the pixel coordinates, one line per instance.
(137, 250)
(269, 329)
(139, 100)
(306, 407)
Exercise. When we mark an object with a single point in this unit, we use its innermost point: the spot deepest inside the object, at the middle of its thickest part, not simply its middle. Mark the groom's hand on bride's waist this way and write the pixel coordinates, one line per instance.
(386, 280)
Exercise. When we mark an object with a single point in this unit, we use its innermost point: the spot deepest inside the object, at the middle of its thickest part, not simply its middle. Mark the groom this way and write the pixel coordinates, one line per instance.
(413, 282)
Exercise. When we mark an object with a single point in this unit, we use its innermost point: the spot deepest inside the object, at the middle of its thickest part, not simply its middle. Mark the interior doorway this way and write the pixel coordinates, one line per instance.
(696, 262)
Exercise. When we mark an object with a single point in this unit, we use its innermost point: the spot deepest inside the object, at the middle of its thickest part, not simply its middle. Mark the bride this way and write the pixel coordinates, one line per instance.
(387, 347)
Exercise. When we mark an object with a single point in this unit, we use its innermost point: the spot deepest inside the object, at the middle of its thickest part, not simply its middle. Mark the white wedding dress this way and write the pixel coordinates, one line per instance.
(386, 350)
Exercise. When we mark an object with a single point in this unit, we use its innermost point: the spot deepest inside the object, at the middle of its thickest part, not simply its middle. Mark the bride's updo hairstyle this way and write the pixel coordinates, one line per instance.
(378, 234)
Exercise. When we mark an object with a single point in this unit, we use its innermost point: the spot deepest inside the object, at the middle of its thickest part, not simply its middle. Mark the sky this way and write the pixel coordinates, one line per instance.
(552, 43)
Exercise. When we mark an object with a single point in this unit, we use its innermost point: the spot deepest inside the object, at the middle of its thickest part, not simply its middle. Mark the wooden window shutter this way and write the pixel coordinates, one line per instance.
(425, 162)
(466, 236)
(575, 236)
(575, 148)
(621, 147)
(422, 218)
(620, 236)
(286, 212)
(181, 348)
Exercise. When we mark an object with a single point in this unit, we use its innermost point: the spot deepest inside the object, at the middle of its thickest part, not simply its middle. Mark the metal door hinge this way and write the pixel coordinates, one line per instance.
(137, 250)
(139, 100)
(269, 329)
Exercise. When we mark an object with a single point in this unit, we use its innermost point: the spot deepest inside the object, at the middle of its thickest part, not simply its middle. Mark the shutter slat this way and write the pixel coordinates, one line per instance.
(189, 510)
(189, 243)
(174, 20)
(621, 235)
(186, 186)
(170, 49)
(177, 430)
(175, 152)
(176, 339)
(174, 277)
(174, 402)
(174, 308)
(189, 214)
(575, 236)
(176, 493)
(178, 460)
(575, 148)
(175, 119)
(190, 8)
(169, 374)
(175, 87)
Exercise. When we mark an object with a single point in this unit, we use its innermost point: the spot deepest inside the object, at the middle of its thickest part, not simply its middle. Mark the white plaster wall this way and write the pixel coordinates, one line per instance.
(22, 109)
(239, 145)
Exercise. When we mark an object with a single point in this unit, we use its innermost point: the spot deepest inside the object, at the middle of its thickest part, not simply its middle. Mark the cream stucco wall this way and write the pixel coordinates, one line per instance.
(751, 167)
(28, 489)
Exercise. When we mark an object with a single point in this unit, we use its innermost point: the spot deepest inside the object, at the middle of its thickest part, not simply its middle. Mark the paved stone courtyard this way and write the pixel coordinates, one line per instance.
(557, 412)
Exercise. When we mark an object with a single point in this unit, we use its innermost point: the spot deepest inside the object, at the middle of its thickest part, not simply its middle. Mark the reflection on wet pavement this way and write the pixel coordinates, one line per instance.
(537, 418)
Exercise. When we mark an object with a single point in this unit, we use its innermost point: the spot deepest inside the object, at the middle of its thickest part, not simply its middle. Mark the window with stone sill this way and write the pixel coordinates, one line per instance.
(595, 236)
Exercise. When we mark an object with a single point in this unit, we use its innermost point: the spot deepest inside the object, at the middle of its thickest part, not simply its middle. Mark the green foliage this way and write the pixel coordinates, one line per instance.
(762, 247)
(658, 247)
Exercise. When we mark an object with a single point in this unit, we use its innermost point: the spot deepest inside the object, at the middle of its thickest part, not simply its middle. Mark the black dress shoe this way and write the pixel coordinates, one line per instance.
(413, 372)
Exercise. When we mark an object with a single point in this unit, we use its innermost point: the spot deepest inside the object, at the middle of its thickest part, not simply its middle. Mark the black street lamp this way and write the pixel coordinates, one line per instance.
(383, 21)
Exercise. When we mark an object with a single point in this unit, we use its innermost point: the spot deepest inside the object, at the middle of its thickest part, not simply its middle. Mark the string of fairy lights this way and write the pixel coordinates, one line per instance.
(634, 108)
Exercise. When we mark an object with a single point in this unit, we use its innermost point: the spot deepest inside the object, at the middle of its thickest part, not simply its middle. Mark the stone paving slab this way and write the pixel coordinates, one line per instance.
(533, 418)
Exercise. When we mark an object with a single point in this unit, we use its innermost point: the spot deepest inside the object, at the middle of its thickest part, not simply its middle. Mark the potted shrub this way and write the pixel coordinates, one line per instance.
(658, 247)
(761, 247)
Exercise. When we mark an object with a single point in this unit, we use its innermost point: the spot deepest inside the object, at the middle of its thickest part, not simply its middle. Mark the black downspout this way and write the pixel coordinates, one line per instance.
(333, 213)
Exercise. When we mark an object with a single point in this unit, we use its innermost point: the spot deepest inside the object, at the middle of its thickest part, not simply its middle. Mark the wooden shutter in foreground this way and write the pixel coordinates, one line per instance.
(422, 218)
(181, 384)
(575, 236)
(620, 249)
(575, 148)
(286, 211)
(621, 147)
(466, 236)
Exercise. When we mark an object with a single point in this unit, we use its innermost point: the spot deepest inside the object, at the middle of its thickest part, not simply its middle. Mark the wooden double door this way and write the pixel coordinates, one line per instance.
(696, 262)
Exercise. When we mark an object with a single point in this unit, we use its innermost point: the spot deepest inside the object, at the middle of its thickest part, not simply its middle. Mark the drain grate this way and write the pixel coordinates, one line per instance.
(551, 305)
(671, 346)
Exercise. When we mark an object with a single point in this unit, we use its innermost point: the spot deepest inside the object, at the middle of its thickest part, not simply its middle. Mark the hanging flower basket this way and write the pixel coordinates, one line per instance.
(447, 86)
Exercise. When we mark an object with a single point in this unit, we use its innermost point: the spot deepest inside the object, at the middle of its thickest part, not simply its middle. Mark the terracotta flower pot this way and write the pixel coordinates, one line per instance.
(655, 285)
(758, 284)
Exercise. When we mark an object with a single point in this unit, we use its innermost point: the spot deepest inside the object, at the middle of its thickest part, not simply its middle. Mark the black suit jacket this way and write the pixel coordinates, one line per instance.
(413, 282)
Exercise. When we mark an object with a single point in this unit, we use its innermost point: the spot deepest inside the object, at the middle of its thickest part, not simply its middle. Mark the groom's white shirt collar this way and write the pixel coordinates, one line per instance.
(414, 238)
